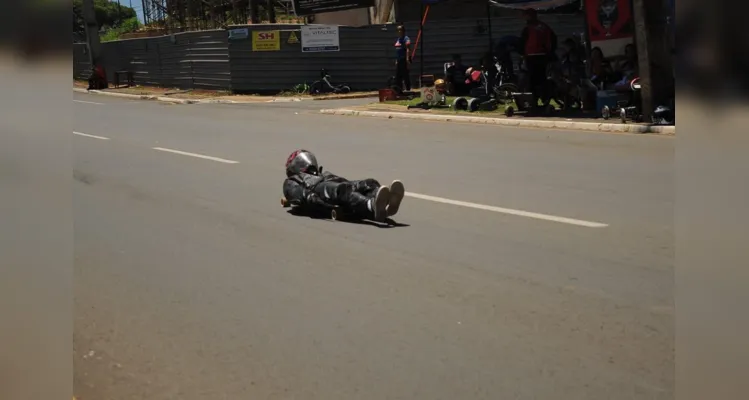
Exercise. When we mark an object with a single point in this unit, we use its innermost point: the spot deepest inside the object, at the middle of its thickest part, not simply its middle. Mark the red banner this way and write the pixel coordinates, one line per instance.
(609, 19)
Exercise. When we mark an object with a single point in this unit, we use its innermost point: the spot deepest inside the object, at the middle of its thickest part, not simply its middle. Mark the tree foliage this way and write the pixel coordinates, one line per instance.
(109, 14)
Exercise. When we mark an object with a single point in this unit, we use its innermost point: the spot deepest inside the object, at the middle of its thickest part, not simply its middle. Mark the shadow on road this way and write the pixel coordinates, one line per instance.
(389, 223)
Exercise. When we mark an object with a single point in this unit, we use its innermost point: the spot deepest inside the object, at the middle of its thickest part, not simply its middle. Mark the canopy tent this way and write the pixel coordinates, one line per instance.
(541, 5)
(534, 4)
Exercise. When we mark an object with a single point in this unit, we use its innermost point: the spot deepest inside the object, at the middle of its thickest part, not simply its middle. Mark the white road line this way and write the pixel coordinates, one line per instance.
(90, 136)
(520, 213)
(88, 102)
(184, 153)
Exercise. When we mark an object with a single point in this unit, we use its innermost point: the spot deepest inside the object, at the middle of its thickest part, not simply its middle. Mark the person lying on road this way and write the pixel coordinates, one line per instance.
(306, 185)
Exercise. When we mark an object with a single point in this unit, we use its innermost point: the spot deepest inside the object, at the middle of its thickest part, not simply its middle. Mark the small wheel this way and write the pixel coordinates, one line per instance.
(606, 112)
(623, 115)
(284, 202)
(335, 215)
(460, 103)
(345, 89)
(509, 111)
(316, 88)
(474, 104)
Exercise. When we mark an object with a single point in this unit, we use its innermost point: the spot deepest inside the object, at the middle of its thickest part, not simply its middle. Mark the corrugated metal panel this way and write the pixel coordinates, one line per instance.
(81, 65)
(195, 60)
(208, 53)
(209, 60)
(362, 62)
(366, 57)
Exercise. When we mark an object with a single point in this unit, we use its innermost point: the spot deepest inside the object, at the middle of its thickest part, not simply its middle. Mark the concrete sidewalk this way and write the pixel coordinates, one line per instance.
(613, 127)
(229, 99)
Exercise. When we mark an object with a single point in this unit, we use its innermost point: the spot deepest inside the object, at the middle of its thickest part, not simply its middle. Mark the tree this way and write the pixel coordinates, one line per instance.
(109, 14)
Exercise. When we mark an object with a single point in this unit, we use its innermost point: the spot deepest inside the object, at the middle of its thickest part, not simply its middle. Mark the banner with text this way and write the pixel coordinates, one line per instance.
(320, 38)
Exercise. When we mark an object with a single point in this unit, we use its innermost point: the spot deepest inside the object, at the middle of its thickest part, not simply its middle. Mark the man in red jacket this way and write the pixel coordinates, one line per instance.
(98, 78)
(538, 42)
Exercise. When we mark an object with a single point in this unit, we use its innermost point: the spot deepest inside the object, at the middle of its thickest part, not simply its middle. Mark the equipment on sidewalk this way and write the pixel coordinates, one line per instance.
(432, 94)
(630, 104)
(325, 86)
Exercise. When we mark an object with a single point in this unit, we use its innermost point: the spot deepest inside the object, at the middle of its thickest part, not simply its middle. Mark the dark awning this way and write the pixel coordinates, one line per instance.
(534, 4)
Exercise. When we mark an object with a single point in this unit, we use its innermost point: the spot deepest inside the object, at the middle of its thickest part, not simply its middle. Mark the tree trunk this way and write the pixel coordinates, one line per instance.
(272, 11)
(254, 12)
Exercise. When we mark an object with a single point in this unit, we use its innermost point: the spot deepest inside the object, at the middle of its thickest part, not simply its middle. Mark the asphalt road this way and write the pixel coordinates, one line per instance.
(528, 264)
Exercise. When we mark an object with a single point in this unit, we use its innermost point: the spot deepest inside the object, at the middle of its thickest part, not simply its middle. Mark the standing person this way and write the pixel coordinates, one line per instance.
(402, 59)
(538, 42)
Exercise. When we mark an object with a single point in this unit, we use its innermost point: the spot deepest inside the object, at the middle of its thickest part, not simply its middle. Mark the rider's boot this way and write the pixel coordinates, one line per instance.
(397, 191)
(379, 203)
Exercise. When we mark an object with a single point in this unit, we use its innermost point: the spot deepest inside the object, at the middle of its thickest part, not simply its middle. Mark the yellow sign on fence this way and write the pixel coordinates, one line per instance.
(266, 41)
(293, 39)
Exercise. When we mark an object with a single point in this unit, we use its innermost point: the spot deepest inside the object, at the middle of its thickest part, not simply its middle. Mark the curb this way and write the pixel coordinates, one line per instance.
(549, 124)
(344, 97)
(215, 101)
(137, 96)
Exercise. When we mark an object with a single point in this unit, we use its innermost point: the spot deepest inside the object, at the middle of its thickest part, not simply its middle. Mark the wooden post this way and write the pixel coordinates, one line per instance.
(643, 57)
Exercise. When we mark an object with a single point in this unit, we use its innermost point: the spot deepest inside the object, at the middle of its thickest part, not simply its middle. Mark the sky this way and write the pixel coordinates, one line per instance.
(136, 5)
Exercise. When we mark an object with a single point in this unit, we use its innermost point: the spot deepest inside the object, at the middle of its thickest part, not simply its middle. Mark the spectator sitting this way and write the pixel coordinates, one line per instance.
(628, 68)
(600, 70)
(98, 78)
(567, 74)
(573, 68)
(456, 76)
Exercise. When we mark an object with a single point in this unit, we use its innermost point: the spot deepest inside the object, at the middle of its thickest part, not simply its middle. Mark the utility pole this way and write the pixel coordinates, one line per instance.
(654, 54)
(643, 57)
(92, 31)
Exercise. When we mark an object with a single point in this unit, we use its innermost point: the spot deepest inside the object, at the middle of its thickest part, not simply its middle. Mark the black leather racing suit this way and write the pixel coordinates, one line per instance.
(328, 190)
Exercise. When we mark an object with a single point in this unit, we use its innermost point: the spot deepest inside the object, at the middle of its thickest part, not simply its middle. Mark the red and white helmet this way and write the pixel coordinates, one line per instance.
(302, 161)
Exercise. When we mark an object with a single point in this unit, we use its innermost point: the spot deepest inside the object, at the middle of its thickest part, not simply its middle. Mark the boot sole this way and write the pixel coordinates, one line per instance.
(397, 191)
(380, 203)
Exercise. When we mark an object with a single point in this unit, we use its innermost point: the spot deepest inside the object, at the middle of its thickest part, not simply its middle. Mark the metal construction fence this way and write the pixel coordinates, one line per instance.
(210, 60)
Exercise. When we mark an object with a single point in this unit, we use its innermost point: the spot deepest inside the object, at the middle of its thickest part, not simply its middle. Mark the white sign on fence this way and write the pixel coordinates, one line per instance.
(320, 38)
(241, 33)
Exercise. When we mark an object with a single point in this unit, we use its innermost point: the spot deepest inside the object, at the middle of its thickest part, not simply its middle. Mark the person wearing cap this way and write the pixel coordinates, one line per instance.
(538, 42)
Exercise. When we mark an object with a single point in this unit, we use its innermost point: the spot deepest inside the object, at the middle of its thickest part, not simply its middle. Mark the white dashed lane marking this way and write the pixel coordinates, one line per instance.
(509, 211)
(88, 102)
(205, 157)
(90, 136)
